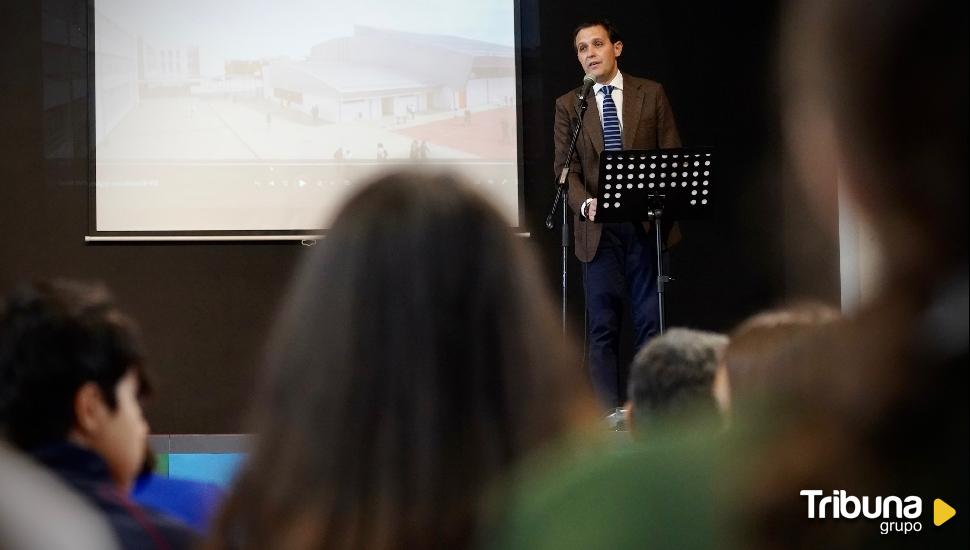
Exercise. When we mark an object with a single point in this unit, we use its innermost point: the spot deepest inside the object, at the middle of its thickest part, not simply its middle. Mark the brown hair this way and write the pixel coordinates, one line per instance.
(417, 360)
(763, 347)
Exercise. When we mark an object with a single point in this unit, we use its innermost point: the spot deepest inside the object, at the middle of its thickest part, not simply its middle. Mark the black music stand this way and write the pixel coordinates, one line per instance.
(650, 185)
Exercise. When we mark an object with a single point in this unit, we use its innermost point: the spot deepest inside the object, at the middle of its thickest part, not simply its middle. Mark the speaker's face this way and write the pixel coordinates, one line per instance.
(597, 54)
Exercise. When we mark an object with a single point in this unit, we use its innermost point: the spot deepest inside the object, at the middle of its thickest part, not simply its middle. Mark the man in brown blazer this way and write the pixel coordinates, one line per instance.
(618, 258)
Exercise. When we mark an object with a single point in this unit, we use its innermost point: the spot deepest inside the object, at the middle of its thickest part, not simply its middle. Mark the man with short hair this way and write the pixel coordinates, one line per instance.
(618, 258)
(674, 376)
(71, 377)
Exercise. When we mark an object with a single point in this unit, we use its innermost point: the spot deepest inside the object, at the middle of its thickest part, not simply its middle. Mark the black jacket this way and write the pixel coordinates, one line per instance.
(136, 527)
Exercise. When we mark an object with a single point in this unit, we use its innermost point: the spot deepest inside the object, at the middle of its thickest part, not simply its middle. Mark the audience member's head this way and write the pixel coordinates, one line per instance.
(764, 346)
(418, 358)
(673, 377)
(71, 370)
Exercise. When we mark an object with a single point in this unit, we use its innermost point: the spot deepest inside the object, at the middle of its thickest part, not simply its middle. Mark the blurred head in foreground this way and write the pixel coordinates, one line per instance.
(418, 358)
(38, 511)
(764, 347)
(673, 377)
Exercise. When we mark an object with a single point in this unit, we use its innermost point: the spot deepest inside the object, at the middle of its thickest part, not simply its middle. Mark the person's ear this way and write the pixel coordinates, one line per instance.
(89, 408)
(721, 389)
(617, 48)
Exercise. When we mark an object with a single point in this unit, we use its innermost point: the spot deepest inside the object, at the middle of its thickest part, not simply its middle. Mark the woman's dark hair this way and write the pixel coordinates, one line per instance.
(56, 336)
(418, 358)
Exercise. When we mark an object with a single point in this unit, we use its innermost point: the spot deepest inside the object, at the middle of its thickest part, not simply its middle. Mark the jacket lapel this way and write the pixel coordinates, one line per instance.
(632, 105)
(592, 126)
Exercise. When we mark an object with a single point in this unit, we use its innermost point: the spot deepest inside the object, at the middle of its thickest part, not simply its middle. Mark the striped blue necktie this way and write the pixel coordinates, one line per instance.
(612, 136)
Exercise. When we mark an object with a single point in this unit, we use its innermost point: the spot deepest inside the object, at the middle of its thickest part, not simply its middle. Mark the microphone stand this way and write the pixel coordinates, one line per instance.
(562, 189)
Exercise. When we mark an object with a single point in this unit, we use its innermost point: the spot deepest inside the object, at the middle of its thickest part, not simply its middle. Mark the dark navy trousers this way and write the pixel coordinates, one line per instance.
(624, 267)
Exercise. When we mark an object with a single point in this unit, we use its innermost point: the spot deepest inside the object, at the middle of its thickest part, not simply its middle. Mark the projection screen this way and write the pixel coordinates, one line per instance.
(247, 117)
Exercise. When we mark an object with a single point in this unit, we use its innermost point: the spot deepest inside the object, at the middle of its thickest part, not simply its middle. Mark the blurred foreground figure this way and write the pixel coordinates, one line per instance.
(765, 347)
(38, 512)
(877, 405)
(418, 360)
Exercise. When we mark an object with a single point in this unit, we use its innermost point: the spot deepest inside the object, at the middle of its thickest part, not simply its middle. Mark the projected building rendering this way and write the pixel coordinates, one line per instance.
(216, 113)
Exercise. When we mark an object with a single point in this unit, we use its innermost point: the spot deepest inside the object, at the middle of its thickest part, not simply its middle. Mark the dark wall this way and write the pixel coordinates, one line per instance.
(205, 308)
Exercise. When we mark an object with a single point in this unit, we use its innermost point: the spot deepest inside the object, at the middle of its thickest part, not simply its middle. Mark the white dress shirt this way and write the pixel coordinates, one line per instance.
(617, 96)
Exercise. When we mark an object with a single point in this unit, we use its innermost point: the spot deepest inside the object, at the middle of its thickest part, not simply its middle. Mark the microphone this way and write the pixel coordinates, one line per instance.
(588, 82)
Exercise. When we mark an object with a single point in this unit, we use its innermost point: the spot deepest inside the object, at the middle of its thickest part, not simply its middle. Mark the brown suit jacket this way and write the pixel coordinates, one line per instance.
(648, 123)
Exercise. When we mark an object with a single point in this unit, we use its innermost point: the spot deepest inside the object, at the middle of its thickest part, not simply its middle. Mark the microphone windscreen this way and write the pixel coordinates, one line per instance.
(588, 82)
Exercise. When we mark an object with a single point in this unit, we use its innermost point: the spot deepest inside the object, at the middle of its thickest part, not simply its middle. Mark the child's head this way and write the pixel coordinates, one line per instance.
(71, 369)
